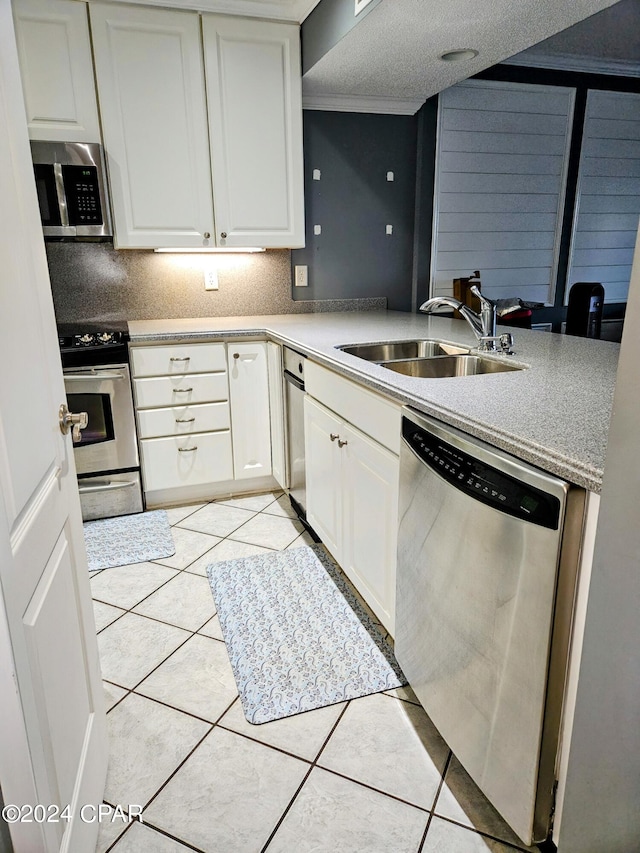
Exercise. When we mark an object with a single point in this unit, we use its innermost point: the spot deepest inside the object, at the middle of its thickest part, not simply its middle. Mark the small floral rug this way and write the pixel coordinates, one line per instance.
(128, 539)
(296, 635)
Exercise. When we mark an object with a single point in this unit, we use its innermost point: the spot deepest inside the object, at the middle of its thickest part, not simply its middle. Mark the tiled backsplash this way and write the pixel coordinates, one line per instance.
(92, 282)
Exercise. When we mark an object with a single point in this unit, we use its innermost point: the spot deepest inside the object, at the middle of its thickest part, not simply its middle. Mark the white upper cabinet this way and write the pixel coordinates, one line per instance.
(56, 70)
(162, 134)
(255, 127)
(152, 103)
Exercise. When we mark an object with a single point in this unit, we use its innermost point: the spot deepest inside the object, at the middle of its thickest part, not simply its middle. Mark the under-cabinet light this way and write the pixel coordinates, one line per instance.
(221, 251)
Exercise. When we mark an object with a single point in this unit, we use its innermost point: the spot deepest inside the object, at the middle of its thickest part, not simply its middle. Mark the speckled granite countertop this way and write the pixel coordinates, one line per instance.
(555, 414)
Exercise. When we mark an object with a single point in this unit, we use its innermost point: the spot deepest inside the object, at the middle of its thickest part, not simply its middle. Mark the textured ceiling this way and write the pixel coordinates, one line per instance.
(613, 34)
(393, 51)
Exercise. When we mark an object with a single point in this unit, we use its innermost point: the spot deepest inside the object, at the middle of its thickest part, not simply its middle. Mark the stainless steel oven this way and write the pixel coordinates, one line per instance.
(106, 452)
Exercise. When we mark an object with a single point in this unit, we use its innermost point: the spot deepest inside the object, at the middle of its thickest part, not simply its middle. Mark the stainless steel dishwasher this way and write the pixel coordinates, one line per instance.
(294, 392)
(488, 550)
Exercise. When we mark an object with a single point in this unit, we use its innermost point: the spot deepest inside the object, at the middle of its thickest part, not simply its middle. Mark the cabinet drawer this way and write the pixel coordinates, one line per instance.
(177, 360)
(183, 420)
(374, 415)
(181, 390)
(188, 460)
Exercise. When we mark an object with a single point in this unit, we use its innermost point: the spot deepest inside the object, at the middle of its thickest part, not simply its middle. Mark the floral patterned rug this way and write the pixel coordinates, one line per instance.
(296, 635)
(128, 539)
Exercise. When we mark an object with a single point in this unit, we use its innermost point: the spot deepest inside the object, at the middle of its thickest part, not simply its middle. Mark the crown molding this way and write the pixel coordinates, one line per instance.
(361, 104)
(572, 62)
(280, 10)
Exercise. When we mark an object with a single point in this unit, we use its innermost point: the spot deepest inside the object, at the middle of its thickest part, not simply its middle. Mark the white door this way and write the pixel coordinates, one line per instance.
(370, 516)
(249, 398)
(53, 746)
(154, 120)
(254, 94)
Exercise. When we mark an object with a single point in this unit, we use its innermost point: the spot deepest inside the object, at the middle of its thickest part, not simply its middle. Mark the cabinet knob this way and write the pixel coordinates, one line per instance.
(223, 234)
(342, 442)
(236, 355)
(206, 235)
(333, 436)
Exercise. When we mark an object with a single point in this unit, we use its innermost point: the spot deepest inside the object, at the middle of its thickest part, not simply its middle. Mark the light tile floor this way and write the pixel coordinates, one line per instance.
(367, 776)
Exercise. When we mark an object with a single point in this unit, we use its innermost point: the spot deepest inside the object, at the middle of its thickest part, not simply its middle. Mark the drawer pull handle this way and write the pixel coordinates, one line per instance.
(182, 390)
(333, 436)
(185, 420)
(187, 449)
(182, 358)
(342, 442)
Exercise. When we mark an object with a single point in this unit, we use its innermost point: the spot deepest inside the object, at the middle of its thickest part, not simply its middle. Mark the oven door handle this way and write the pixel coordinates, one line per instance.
(77, 377)
(106, 487)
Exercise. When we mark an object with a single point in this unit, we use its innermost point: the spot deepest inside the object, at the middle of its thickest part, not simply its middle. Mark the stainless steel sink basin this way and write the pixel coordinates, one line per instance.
(393, 350)
(449, 366)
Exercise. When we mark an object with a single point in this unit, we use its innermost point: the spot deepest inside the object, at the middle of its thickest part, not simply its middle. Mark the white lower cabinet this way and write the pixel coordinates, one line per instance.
(193, 460)
(203, 419)
(249, 397)
(352, 503)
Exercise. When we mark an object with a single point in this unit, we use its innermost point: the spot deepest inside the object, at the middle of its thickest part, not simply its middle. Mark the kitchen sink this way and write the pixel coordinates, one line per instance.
(447, 366)
(393, 350)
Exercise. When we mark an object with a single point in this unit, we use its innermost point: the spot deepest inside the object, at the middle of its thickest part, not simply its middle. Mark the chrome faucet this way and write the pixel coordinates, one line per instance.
(482, 324)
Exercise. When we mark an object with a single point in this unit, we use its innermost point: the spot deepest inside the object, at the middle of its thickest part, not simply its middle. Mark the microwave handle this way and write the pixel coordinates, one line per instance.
(62, 196)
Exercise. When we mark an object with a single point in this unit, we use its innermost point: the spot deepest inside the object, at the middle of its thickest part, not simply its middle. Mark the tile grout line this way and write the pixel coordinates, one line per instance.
(212, 726)
(435, 800)
(488, 835)
(303, 782)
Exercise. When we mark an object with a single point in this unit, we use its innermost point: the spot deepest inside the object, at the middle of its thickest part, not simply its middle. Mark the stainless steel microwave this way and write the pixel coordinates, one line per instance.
(72, 189)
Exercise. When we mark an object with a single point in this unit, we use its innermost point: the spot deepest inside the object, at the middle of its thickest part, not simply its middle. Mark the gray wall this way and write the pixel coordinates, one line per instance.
(330, 21)
(353, 202)
(92, 282)
(601, 812)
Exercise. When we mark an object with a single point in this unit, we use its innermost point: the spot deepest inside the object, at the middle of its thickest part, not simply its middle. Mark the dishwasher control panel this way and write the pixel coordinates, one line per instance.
(482, 481)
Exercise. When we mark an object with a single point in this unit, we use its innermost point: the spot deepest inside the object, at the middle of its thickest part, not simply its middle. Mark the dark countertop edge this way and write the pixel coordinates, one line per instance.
(587, 476)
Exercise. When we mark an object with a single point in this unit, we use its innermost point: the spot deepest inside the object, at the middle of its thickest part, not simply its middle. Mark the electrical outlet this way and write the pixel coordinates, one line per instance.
(211, 279)
(300, 278)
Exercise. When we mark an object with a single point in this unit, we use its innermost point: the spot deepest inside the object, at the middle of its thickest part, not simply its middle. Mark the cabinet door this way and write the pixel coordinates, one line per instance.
(249, 398)
(324, 473)
(276, 414)
(56, 70)
(370, 514)
(255, 116)
(152, 102)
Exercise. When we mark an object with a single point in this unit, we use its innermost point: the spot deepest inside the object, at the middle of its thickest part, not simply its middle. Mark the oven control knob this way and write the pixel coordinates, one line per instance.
(85, 340)
(105, 337)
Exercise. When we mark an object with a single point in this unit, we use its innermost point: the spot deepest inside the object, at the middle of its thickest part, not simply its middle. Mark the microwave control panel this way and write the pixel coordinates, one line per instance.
(83, 195)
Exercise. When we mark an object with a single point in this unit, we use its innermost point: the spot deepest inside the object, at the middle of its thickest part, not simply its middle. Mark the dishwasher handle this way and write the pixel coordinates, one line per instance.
(293, 380)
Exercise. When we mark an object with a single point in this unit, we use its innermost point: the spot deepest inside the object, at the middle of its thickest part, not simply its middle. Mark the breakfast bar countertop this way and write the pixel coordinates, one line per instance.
(554, 414)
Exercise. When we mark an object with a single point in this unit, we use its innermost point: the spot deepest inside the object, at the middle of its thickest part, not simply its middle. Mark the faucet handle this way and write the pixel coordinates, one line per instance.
(483, 299)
